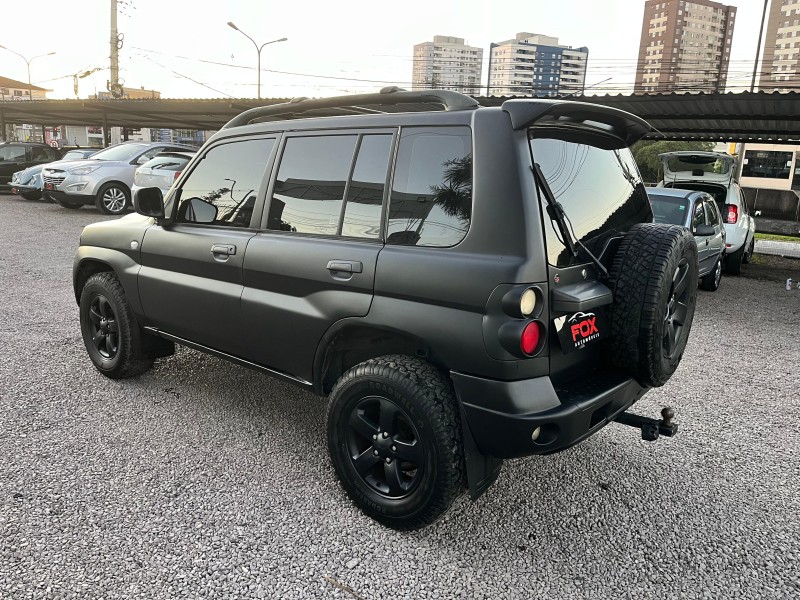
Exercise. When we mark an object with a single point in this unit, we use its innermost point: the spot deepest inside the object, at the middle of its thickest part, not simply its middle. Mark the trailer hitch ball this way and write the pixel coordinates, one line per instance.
(667, 414)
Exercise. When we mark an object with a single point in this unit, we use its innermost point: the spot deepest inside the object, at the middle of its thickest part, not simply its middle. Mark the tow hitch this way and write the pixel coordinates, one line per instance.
(651, 428)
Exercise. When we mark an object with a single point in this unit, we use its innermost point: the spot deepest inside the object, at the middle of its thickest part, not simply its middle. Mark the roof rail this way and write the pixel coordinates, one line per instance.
(387, 96)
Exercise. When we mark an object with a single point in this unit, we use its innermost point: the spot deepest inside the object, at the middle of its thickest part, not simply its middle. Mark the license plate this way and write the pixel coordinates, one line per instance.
(48, 186)
(581, 329)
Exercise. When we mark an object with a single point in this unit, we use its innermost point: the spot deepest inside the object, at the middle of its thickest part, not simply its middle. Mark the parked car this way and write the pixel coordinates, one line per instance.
(714, 173)
(18, 156)
(28, 183)
(465, 285)
(698, 212)
(161, 171)
(104, 180)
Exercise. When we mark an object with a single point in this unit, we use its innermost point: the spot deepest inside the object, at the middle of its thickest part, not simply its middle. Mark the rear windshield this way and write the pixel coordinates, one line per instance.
(600, 189)
(166, 163)
(718, 192)
(669, 210)
(705, 164)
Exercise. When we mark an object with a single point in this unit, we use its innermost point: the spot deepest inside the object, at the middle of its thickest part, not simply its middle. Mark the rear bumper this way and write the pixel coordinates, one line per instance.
(502, 415)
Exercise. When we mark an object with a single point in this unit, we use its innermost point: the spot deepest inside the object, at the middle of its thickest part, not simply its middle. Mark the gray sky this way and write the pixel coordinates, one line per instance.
(333, 47)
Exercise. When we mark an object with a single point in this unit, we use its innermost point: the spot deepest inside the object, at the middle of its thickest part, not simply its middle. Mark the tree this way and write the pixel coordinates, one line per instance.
(646, 152)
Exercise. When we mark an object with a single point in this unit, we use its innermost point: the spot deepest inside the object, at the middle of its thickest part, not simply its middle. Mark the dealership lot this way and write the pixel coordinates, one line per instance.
(203, 479)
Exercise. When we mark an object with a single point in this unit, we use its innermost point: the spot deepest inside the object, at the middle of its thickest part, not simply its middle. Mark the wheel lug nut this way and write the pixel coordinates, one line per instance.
(374, 436)
(385, 435)
(394, 448)
(375, 452)
(388, 461)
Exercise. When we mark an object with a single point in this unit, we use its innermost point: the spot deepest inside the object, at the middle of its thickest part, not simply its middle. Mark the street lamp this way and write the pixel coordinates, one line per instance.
(30, 87)
(258, 49)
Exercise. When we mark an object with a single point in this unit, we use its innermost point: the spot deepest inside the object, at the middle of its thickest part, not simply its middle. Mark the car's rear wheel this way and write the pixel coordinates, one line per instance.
(748, 255)
(110, 331)
(654, 280)
(394, 437)
(710, 282)
(733, 262)
(113, 199)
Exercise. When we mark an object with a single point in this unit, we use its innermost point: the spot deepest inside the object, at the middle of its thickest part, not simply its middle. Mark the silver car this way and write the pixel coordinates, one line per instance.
(699, 212)
(161, 171)
(105, 179)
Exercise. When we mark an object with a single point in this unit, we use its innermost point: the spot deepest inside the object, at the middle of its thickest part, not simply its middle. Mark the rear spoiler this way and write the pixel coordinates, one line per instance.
(619, 123)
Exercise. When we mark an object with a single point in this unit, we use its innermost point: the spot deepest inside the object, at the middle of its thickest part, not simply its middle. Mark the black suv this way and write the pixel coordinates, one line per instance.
(18, 156)
(464, 285)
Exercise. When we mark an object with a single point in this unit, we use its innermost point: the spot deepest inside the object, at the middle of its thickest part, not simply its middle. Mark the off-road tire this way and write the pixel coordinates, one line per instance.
(426, 399)
(104, 203)
(652, 261)
(129, 358)
(711, 280)
(733, 262)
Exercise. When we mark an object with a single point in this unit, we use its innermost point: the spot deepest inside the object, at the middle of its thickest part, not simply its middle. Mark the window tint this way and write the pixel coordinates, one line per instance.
(600, 189)
(309, 189)
(668, 209)
(362, 212)
(431, 202)
(699, 217)
(15, 153)
(228, 178)
(711, 212)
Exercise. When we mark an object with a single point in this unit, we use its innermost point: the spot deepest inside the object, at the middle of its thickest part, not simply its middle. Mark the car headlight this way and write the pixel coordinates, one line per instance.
(84, 170)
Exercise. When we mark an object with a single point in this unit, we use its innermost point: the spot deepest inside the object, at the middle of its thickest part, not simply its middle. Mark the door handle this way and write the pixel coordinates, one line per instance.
(226, 249)
(346, 266)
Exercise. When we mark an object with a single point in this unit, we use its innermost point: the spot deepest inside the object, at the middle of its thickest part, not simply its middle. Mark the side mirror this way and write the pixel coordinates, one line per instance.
(704, 230)
(149, 202)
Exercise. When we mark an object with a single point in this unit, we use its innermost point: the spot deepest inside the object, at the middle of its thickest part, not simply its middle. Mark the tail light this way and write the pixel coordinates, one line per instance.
(177, 174)
(733, 214)
(531, 336)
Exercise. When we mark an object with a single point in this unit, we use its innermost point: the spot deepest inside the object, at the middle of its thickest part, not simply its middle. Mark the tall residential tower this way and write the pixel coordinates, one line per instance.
(780, 67)
(536, 65)
(447, 63)
(685, 46)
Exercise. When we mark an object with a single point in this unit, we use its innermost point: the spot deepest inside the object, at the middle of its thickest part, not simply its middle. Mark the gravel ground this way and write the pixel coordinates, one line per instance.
(205, 480)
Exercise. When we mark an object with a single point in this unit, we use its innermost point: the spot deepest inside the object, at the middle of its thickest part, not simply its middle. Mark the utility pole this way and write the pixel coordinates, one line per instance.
(758, 48)
(114, 44)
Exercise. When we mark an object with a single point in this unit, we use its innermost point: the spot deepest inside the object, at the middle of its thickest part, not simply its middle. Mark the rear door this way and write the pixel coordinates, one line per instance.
(314, 261)
(191, 283)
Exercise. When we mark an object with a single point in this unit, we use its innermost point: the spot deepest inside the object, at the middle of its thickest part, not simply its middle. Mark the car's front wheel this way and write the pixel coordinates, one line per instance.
(710, 282)
(394, 437)
(110, 332)
(112, 199)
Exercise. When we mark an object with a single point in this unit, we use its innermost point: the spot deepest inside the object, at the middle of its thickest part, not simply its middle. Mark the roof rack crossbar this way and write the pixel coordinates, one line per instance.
(391, 95)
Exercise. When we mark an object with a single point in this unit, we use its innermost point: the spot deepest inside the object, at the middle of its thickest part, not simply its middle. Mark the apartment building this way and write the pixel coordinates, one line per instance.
(447, 63)
(780, 67)
(536, 65)
(685, 46)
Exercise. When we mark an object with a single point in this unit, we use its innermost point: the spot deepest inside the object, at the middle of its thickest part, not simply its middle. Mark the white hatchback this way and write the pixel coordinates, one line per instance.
(713, 173)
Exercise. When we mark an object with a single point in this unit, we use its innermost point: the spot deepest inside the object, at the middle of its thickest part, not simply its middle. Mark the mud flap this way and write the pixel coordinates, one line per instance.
(482, 470)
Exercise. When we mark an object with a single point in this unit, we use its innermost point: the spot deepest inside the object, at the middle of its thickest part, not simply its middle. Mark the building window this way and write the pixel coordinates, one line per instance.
(774, 165)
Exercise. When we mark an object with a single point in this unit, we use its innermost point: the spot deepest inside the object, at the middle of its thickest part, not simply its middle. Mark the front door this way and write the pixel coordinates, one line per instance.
(314, 263)
(191, 280)
(699, 218)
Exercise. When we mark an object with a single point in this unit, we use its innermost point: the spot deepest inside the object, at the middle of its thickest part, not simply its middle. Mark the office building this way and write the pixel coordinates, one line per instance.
(447, 63)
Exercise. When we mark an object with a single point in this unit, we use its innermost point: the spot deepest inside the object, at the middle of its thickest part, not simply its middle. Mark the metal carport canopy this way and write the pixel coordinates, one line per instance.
(742, 117)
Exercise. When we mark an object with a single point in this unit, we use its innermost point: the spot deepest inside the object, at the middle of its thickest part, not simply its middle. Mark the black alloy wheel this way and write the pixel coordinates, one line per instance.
(103, 327)
(384, 447)
(677, 309)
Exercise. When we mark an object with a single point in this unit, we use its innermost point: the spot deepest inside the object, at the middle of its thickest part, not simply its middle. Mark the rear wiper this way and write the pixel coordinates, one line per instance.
(557, 214)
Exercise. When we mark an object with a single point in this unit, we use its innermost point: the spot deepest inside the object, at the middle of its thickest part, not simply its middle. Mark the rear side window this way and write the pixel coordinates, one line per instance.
(331, 185)
(431, 203)
(600, 189)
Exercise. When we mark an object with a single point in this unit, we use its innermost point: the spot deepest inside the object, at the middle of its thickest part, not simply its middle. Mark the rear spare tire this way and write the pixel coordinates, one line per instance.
(654, 282)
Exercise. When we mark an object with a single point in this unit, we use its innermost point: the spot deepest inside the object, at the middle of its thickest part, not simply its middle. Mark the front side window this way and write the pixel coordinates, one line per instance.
(431, 202)
(712, 214)
(223, 186)
(699, 217)
(600, 189)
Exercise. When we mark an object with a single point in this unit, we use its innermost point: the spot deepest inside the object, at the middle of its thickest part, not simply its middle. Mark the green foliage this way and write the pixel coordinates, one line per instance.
(646, 152)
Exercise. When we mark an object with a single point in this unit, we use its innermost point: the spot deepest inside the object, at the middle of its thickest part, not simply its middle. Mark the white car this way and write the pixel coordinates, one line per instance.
(105, 179)
(161, 171)
(713, 173)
